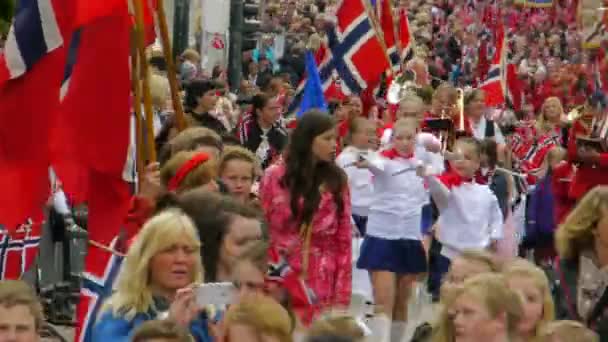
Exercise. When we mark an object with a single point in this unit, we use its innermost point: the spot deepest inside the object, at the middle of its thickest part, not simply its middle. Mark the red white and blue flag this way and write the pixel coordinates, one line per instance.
(99, 278)
(387, 24)
(18, 250)
(495, 85)
(406, 39)
(353, 43)
(34, 34)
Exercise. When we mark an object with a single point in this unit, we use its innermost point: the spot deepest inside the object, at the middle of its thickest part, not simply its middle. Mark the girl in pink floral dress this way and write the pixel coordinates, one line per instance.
(306, 202)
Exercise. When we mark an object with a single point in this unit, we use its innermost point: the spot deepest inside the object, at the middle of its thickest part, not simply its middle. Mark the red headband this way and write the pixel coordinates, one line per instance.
(185, 169)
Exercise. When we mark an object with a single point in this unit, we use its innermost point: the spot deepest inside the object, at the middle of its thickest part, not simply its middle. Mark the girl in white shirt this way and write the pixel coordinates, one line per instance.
(469, 215)
(361, 139)
(392, 250)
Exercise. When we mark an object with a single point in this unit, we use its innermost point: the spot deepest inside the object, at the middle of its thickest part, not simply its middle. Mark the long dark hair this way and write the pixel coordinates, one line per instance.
(258, 101)
(303, 175)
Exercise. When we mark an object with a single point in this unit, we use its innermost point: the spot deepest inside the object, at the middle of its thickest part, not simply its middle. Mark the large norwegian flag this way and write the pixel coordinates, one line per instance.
(495, 85)
(387, 23)
(18, 250)
(406, 39)
(102, 270)
(31, 70)
(356, 53)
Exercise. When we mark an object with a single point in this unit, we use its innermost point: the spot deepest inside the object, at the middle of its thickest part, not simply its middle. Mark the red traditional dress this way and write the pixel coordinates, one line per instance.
(530, 148)
(329, 269)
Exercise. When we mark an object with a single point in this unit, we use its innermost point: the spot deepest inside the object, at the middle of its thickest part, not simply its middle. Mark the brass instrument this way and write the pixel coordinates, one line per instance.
(401, 86)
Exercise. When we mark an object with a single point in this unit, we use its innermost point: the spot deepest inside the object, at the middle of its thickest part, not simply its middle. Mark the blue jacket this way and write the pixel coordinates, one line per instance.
(119, 329)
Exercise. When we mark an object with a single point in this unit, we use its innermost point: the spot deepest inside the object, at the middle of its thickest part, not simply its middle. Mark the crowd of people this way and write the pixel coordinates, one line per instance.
(498, 212)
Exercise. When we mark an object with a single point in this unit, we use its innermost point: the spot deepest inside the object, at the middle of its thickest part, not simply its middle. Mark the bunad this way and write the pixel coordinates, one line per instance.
(469, 216)
(393, 241)
(360, 183)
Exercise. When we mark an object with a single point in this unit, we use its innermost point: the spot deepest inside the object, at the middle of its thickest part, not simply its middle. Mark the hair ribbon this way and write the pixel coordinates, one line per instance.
(185, 169)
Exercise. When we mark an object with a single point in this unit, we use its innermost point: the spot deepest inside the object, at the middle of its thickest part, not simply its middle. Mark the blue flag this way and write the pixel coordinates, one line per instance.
(313, 97)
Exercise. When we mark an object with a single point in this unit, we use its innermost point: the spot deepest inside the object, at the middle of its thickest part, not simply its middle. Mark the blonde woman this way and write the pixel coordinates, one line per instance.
(482, 309)
(550, 118)
(564, 331)
(338, 325)
(582, 246)
(531, 283)
(470, 263)
(161, 264)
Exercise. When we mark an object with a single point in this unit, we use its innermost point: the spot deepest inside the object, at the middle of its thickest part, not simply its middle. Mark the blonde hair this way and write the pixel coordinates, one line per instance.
(133, 294)
(541, 122)
(412, 99)
(405, 123)
(238, 153)
(159, 90)
(481, 257)
(167, 330)
(525, 269)
(567, 331)
(18, 293)
(191, 55)
(189, 140)
(263, 314)
(491, 290)
(198, 176)
(337, 324)
(576, 232)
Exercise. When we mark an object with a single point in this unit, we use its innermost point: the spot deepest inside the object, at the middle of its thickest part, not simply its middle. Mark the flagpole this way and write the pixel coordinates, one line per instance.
(180, 118)
(145, 77)
(139, 137)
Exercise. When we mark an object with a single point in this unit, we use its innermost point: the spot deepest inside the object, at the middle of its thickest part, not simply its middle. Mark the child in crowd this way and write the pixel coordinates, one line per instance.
(340, 326)
(392, 250)
(360, 140)
(564, 331)
(532, 284)
(165, 330)
(470, 216)
(237, 171)
(257, 319)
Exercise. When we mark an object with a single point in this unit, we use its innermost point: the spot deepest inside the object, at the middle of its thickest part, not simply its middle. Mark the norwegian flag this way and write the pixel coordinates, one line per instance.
(18, 250)
(103, 267)
(353, 43)
(34, 34)
(387, 23)
(495, 85)
(406, 39)
(514, 87)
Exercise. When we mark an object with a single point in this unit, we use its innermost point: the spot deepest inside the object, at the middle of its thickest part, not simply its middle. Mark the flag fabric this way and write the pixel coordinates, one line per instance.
(98, 282)
(31, 69)
(495, 84)
(406, 39)
(514, 87)
(330, 84)
(387, 24)
(535, 3)
(313, 97)
(34, 34)
(353, 43)
(18, 250)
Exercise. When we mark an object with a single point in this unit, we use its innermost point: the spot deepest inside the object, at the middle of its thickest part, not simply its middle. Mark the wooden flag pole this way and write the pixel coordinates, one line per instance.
(139, 133)
(145, 77)
(180, 118)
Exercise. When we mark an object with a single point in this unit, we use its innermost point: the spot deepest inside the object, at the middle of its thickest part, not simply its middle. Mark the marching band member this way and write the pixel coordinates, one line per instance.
(392, 250)
(470, 216)
(593, 163)
(361, 139)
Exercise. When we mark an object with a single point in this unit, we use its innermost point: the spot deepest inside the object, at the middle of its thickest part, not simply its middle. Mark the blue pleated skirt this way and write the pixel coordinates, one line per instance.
(402, 256)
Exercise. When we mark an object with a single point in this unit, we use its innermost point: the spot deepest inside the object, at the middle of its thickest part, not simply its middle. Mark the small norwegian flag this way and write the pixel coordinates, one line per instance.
(102, 268)
(18, 251)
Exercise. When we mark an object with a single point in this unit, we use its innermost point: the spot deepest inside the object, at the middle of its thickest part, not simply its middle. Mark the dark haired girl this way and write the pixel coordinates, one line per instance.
(201, 97)
(260, 132)
(307, 206)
